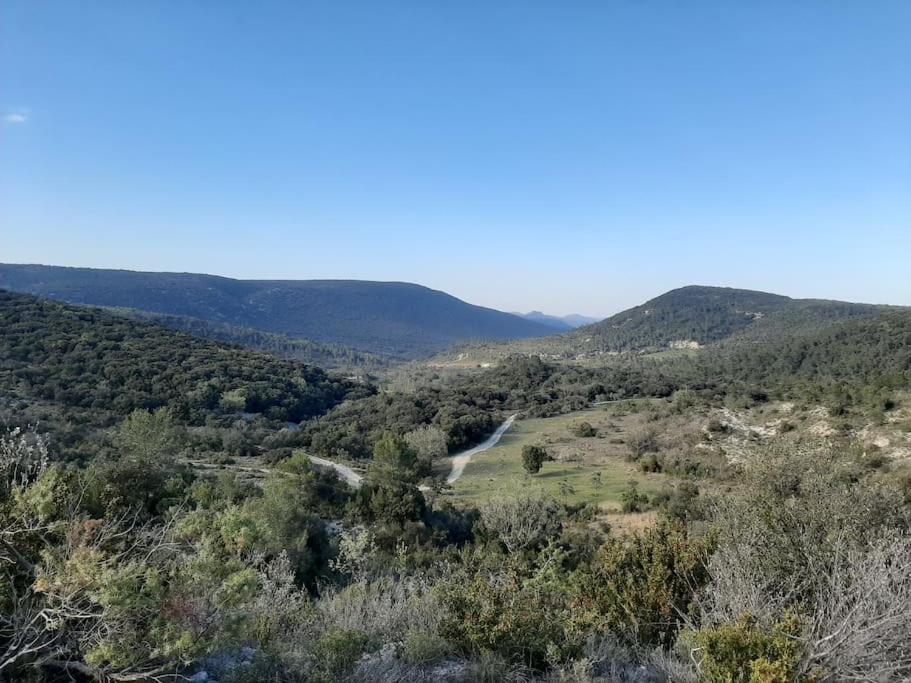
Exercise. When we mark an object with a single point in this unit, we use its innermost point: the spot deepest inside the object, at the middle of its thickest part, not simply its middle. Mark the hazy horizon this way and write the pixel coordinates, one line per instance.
(557, 313)
(579, 158)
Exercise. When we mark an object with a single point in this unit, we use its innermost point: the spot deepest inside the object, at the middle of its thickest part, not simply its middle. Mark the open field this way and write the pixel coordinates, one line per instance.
(585, 469)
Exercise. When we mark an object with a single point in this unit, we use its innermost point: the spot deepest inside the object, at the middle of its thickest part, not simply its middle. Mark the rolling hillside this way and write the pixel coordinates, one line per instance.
(77, 368)
(327, 355)
(395, 318)
(686, 318)
(696, 315)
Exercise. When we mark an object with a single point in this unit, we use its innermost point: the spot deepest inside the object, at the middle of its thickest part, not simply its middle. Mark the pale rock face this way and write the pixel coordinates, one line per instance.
(684, 344)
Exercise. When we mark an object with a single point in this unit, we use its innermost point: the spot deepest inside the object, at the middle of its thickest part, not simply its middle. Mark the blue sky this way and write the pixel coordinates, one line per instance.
(565, 156)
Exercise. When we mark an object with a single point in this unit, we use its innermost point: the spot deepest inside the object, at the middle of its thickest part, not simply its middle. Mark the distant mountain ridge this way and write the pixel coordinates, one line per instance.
(563, 323)
(395, 318)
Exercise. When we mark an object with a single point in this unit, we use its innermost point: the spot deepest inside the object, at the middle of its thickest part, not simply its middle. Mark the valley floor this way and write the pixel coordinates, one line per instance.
(584, 470)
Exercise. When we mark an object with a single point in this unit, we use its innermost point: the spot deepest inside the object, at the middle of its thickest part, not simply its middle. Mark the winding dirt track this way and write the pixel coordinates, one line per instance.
(460, 460)
(353, 478)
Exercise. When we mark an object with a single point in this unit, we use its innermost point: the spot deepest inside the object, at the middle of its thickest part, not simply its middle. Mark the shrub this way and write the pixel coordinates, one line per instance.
(522, 523)
(744, 652)
(382, 609)
(631, 500)
(640, 587)
(428, 443)
(650, 463)
(716, 426)
(520, 615)
(336, 652)
(641, 442)
(421, 648)
(681, 502)
(585, 430)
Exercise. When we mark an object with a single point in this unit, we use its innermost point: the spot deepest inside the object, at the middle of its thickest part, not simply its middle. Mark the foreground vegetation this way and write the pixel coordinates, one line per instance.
(767, 536)
(804, 575)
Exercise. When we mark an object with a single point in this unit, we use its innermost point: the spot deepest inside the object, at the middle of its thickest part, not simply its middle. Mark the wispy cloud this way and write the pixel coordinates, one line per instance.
(17, 117)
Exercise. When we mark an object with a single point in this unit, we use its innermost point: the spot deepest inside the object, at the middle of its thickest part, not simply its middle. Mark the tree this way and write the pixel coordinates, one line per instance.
(148, 436)
(428, 443)
(142, 472)
(533, 457)
(394, 460)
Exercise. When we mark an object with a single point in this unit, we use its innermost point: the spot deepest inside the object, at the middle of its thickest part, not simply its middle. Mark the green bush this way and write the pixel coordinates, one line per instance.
(520, 615)
(585, 430)
(640, 587)
(631, 500)
(744, 652)
(421, 648)
(336, 652)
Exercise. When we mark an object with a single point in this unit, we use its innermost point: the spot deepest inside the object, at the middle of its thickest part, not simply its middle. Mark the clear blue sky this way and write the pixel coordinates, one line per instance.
(566, 156)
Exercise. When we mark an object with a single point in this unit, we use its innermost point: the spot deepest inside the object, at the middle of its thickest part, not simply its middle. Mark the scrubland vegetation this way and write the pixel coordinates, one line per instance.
(739, 515)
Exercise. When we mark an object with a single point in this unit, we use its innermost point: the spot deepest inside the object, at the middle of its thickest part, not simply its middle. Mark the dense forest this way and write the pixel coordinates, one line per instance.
(323, 354)
(870, 352)
(81, 366)
(711, 314)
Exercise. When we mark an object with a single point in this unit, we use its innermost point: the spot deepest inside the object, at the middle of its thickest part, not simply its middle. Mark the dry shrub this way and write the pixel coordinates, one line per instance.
(861, 629)
(384, 609)
(522, 522)
(808, 537)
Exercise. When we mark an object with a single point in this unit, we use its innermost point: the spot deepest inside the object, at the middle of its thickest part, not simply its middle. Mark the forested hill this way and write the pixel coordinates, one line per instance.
(385, 317)
(327, 355)
(709, 314)
(865, 354)
(95, 367)
(689, 317)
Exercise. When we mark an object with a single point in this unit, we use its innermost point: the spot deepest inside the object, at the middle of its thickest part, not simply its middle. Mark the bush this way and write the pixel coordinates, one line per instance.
(744, 652)
(641, 442)
(585, 430)
(716, 426)
(336, 652)
(421, 648)
(631, 500)
(521, 615)
(641, 587)
(650, 464)
(522, 523)
(681, 502)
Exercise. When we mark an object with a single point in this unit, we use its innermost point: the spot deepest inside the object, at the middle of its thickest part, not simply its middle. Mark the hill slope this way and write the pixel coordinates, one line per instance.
(385, 317)
(701, 315)
(689, 317)
(327, 355)
(865, 353)
(91, 367)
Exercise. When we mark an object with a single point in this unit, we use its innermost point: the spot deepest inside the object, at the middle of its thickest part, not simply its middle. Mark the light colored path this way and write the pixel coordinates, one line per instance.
(353, 478)
(460, 460)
